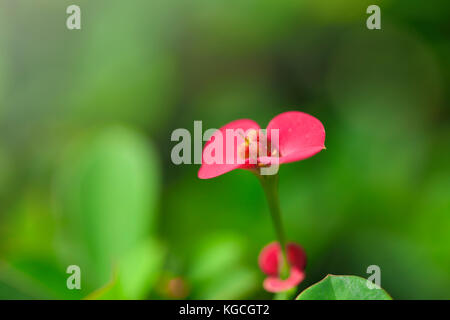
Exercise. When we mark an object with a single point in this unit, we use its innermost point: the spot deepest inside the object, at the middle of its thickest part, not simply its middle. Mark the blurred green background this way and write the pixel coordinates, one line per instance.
(85, 124)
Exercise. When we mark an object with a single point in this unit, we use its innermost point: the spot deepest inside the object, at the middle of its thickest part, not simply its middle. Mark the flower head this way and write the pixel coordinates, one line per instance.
(270, 260)
(290, 136)
(241, 144)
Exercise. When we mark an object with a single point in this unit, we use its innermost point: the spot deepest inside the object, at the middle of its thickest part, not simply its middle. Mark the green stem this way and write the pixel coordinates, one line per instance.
(270, 186)
(285, 295)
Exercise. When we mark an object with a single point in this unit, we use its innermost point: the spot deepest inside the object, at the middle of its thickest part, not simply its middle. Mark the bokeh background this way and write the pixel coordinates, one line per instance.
(86, 117)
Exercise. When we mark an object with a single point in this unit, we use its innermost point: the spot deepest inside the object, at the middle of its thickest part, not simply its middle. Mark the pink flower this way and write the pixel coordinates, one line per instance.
(299, 136)
(269, 261)
(241, 144)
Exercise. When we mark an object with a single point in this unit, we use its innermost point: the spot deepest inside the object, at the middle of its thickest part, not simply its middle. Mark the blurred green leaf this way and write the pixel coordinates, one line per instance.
(136, 273)
(110, 291)
(237, 283)
(106, 194)
(216, 255)
(44, 275)
(218, 269)
(17, 285)
(343, 288)
(139, 269)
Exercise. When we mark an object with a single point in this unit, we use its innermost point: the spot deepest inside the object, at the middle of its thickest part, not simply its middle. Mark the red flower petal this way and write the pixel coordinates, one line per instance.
(229, 159)
(300, 135)
(268, 259)
(296, 256)
(275, 284)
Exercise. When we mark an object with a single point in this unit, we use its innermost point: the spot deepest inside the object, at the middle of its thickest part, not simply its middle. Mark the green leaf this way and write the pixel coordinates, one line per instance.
(218, 270)
(136, 274)
(41, 277)
(106, 192)
(140, 268)
(17, 285)
(343, 288)
(237, 284)
(215, 255)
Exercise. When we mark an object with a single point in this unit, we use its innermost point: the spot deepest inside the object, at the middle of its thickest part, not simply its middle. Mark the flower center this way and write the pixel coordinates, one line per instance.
(256, 145)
